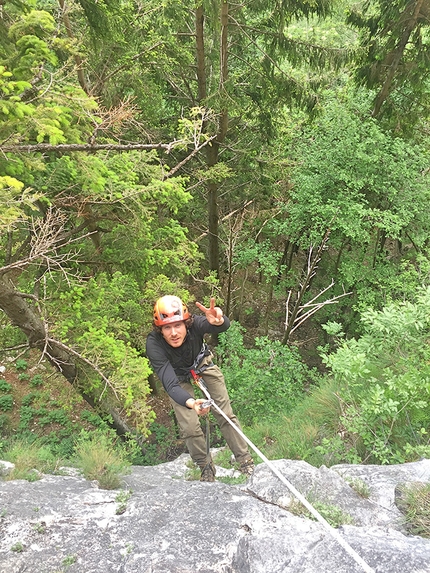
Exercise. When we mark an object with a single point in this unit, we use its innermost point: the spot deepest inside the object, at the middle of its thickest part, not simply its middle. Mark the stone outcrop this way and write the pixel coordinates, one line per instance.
(161, 523)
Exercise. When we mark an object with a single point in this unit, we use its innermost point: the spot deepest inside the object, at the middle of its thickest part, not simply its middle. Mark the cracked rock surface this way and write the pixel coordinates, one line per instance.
(64, 523)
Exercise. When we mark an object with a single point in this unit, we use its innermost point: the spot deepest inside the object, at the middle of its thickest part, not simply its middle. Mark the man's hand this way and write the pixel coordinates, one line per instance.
(196, 406)
(214, 314)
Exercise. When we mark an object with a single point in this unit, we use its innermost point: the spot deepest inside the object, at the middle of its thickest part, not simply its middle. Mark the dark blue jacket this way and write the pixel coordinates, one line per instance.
(173, 364)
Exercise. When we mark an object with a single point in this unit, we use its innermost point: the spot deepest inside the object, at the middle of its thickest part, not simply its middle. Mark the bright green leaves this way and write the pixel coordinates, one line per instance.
(15, 201)
(11, 106)
(38, 103)
(103, 318)
(37, 23)
(30, 35)
(384, 380)
(353, 177)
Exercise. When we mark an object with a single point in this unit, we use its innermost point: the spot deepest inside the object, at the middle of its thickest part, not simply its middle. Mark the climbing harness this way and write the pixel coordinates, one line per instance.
(196, 367)
(198, 380)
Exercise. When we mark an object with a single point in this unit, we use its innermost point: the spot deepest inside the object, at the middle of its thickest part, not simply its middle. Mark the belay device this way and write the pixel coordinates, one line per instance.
(198, 380)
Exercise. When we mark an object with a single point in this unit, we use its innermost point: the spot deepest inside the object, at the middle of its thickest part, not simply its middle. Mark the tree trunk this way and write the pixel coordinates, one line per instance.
(78, 59)
(412, 21)
(24, 317)
(212, 150)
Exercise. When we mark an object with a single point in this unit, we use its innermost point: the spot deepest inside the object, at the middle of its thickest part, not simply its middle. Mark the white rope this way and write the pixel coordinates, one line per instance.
(290, 486)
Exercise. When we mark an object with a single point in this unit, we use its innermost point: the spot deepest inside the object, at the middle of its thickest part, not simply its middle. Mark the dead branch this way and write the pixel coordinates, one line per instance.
(303, 311)
(190, 156)
(226, 217)
(47, 235)
(88, 147)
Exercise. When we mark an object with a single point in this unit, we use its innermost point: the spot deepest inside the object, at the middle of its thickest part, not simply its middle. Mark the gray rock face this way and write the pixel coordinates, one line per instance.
(65, 524)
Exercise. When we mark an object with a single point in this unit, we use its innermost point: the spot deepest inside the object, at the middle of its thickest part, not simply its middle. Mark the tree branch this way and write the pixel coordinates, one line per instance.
(88, 147)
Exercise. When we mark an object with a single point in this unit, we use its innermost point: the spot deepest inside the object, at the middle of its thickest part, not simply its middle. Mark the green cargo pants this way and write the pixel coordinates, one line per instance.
(189, 422)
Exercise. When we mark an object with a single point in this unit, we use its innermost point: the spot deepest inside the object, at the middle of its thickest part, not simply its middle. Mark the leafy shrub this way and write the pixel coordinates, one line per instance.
(21, 364)
(265, 381)
(384, 382)
(102, 458)
(6, 403)
(5, 386)
(37, 380)
(30, 398)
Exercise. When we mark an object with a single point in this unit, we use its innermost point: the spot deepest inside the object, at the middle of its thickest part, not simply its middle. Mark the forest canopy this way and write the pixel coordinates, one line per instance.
(274, 155)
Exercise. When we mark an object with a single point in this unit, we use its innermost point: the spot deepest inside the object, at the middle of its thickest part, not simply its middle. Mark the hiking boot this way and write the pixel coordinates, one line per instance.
(247, 467)
(208, 472)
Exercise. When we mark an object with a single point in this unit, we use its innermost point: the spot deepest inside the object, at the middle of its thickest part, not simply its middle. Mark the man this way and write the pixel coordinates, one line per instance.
(174, 348)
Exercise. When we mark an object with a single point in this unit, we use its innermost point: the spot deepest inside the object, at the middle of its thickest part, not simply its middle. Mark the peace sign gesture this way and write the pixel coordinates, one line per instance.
(214, 314)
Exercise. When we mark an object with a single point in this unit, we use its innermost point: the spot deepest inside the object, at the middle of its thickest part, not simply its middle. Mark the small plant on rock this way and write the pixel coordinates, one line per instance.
(101, 458)
(30, 459)
(122, 499)
(359, 486)
(416, 507)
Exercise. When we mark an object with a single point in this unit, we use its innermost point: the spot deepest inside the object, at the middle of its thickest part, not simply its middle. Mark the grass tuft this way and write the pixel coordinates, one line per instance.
(416, 507)
(101, 458)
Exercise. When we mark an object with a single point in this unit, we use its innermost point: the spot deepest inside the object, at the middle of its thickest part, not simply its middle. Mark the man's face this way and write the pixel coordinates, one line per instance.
(174, 333)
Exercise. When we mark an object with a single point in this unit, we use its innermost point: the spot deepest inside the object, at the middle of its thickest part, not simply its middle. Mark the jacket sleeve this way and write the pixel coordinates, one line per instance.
(162, 367)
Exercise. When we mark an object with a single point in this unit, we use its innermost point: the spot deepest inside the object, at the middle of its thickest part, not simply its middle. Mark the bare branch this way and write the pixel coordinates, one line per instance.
(46, 236)
(190, 156)
(226, 217)
(88, 147)
(302, 311)
(26, 346)
(303, 317)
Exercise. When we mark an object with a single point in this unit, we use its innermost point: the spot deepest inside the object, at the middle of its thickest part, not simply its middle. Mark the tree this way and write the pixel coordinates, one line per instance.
(370, 188)
(395, 55)
(74, 220)
(382, 380)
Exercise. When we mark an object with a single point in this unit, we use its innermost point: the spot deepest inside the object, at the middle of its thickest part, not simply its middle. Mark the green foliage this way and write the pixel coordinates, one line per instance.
(122, 499)
(104, 317)
(384, 381)
(5, 386)
(10, 335)
(359, 486)
(101, 458)
(353, 178)
(21, 364)
(335, 516)
(4, 423)
(393, 58)
(14, 199)
(6, 403)
(69, 560)
(162, 441)
(415, 504)
(29, 459)
(264, 381)
(36, 381)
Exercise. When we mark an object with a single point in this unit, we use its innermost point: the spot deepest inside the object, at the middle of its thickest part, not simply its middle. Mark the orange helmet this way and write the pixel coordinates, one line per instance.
(169, 309)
